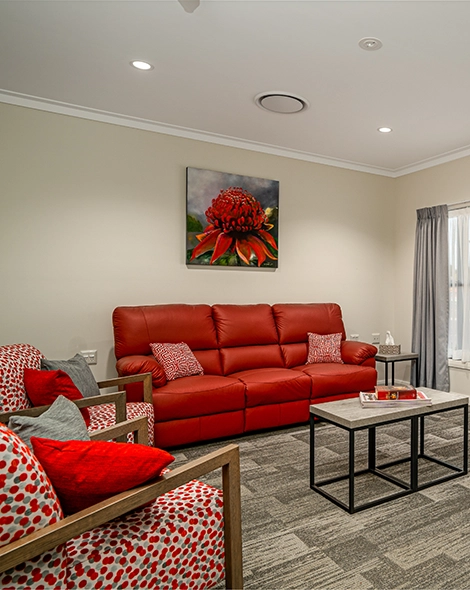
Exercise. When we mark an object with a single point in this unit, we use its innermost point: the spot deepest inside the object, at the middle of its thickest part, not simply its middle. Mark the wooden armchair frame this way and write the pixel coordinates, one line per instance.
(227, 458)
(118, 398)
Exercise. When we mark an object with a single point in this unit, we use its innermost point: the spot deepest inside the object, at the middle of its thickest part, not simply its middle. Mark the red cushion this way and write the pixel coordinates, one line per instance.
(84, 473)
(44, 387)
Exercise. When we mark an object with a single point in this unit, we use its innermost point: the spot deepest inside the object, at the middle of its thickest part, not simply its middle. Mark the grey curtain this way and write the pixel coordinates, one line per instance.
(431, 298)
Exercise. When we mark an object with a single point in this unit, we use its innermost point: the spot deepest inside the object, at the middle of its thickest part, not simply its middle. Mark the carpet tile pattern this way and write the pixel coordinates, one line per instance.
(293, 538)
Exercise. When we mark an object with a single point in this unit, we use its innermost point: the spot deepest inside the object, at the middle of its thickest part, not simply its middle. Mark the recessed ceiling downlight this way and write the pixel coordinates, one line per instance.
(370, 43)
(385, 129)
(281, 102)
(141, 65)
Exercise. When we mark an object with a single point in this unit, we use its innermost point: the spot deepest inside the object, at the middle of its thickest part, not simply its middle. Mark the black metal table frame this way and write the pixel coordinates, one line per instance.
(411, 357)
(416, 452)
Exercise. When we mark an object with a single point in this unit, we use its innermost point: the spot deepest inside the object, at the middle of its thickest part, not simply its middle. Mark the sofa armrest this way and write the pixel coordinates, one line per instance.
(226, 458)
(132, 365)
(356, 353)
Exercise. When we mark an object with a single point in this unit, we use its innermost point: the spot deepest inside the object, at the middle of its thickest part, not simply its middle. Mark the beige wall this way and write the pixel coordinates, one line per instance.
(93, 216)
(444, 184)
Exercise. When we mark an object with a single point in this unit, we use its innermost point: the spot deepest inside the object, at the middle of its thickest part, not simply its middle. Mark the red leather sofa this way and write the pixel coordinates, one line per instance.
(254, 361)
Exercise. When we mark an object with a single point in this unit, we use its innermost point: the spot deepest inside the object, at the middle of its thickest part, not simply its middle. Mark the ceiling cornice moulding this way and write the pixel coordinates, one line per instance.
(52, 106)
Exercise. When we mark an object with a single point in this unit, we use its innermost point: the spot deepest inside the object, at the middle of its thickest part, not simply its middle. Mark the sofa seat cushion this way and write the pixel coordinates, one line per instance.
(333, 378)
(273, 385)
(199, 395)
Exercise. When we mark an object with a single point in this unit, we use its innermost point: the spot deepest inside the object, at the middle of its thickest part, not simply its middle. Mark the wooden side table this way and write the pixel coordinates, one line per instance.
(396, 358)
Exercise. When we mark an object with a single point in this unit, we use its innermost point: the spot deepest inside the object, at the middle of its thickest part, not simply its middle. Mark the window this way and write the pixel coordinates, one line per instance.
(459, 285)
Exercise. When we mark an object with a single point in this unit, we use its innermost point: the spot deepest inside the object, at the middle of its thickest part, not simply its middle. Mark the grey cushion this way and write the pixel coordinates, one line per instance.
(62, 421)
(79, 372)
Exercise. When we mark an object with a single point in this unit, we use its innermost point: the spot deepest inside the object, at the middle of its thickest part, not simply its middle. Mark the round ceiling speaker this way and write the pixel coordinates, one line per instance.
(281, 102)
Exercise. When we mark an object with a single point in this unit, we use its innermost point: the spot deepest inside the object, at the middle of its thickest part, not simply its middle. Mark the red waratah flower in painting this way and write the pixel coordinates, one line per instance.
(237, 223)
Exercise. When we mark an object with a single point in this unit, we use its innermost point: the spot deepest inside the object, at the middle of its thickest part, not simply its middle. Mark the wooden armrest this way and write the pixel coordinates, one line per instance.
(118, 398)
(227, 458)
(145, 378)
(139, 426)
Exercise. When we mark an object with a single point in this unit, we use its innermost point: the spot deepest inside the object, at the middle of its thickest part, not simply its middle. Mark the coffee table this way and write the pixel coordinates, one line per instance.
(349, 415)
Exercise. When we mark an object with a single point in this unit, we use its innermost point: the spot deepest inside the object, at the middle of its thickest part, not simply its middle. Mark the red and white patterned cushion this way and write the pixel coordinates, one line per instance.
(324, 348)
(27, 502)
(177, 360)
(14, 359)
(104, 415)
(176, 542)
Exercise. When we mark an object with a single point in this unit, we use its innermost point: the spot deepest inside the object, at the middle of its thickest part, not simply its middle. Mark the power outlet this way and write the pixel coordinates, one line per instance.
(354, 336)
(376, 338)
(91, 356)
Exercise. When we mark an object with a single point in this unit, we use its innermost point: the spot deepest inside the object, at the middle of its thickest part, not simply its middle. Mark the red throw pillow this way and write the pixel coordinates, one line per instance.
(44, 387)
(177, 360)
(84, 473)
(324, 348)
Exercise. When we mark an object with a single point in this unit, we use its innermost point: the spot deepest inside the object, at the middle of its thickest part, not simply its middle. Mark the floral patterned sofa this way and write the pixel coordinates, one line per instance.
(253, 367)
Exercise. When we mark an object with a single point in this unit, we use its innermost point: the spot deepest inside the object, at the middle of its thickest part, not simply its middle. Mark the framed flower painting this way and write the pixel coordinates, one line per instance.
(231, 220)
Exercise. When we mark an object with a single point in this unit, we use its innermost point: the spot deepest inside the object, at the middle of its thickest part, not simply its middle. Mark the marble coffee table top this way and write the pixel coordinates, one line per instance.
(350, 414)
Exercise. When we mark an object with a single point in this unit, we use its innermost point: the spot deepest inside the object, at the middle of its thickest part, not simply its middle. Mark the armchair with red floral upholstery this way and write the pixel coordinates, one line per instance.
(24, 385)
(171, 532)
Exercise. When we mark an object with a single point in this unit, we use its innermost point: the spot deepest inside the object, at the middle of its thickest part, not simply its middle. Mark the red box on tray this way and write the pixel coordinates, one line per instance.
(391, 392)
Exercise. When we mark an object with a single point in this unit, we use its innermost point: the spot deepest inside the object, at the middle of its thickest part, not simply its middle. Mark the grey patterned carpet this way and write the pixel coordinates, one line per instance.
(293, 538)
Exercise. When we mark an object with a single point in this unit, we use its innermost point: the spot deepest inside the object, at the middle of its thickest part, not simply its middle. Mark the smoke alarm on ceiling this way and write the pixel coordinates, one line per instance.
(281, 102)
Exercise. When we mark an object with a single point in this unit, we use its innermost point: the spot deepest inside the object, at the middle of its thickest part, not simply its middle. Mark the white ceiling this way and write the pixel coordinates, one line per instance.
(73, 57)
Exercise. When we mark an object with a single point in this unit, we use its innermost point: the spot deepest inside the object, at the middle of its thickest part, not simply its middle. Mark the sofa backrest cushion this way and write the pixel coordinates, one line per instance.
(210, 361)
(247, 337)
(244, 325)
(136, 327)
(243, 358)
(295, 320)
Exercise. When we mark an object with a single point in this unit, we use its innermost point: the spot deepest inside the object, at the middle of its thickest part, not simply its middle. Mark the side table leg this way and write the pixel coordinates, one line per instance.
(414, 372)
(386, 373)
(351, 471)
